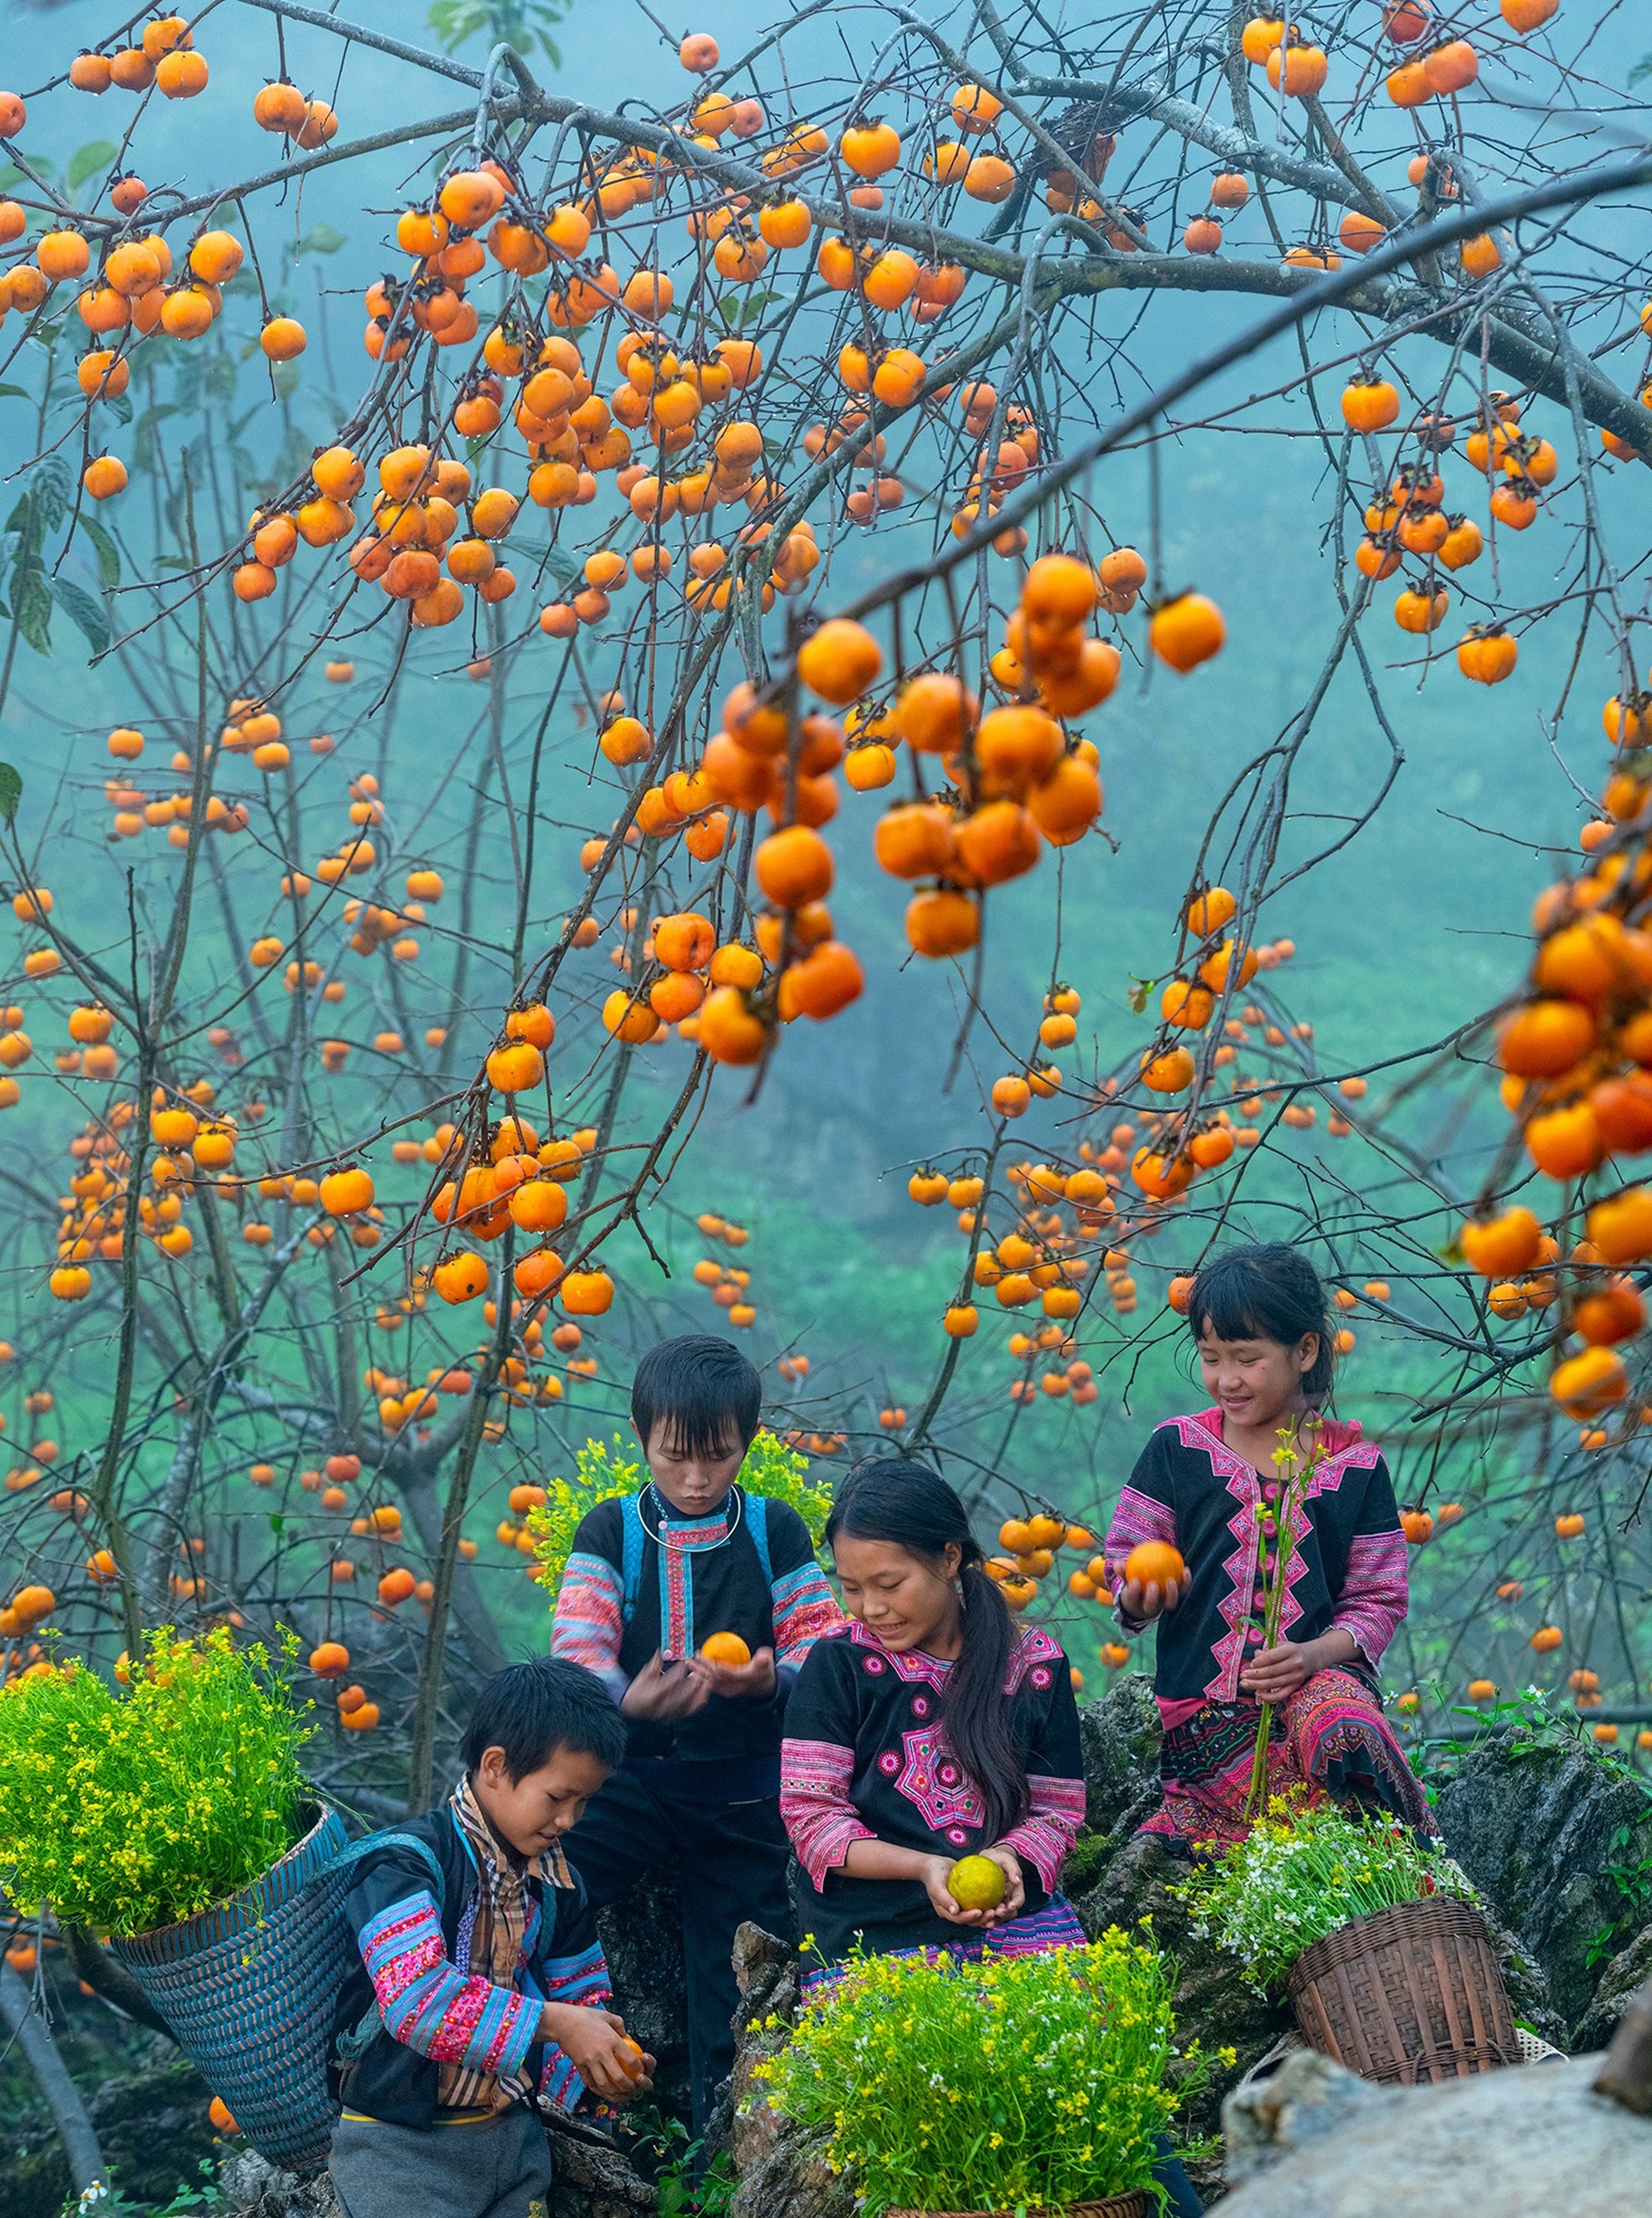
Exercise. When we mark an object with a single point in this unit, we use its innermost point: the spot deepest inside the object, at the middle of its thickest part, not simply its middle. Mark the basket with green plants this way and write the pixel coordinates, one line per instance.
(1036, 2083)
(173, 1814)
(1374, 1931)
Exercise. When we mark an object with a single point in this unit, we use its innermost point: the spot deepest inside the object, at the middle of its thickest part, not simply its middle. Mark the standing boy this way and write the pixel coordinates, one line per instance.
(481, 1990)
(650, 1578)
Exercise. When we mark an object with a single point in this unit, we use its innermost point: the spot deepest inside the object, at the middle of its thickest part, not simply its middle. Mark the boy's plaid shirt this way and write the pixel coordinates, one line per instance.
(497, 1932)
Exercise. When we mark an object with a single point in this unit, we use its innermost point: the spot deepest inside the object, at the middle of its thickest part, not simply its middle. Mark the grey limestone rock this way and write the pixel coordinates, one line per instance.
(1537, 1826)
(1315, 2142)
(1624, 1975)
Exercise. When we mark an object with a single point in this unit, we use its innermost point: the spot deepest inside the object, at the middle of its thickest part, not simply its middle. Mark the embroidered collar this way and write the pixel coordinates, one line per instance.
(1034, 1645)
(1339, 1438)
(674, 1532)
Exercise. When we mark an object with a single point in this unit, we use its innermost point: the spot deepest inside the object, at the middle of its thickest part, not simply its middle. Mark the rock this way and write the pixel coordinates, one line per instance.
(255, 2188)
(591, 2178)
(152, 2125)
(1533, 2143)
(1304, 2099)
(642, 1939)
(782, 2169)
(1536, 1825)
(1627, 1972)
(1120, 1735)
(1215, 2005)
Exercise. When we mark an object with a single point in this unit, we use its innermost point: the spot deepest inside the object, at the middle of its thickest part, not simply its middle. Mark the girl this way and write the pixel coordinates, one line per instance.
(928, 1729)
(1209, 1485)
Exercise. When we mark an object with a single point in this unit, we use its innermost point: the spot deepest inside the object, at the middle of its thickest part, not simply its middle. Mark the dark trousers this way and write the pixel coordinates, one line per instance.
(473, 2168)
(732, 1857)
(1184, 2196)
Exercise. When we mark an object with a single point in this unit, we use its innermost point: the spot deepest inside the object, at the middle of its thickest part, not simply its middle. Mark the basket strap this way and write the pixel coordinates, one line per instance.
(757, 1524)
(631, 1524)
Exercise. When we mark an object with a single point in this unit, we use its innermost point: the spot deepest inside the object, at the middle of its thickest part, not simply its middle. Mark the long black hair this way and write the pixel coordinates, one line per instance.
(892, 1498)
(1267, 1292)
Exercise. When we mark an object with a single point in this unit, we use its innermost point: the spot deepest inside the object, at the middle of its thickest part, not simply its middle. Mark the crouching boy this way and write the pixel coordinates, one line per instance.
(482, 1995)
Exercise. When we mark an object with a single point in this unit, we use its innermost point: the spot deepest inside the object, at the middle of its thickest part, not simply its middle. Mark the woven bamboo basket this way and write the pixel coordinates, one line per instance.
(1114, 2206)
(249, 1988)
(1407, 1994)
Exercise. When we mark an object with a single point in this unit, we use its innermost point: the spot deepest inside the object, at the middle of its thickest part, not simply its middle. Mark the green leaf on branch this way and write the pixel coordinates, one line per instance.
(81, 609)
(50, 487)
(109, 557)
(33, 608)
(15, 393)
(519, 24)
(98, 154)
(320, 238)
(11, 792)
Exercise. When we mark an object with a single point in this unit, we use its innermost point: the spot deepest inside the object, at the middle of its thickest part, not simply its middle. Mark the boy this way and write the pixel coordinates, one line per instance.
(477, 1999)
(650, 1578)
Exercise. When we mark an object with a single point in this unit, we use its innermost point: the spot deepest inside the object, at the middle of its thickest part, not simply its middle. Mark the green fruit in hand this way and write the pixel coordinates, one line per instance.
(976, 1883)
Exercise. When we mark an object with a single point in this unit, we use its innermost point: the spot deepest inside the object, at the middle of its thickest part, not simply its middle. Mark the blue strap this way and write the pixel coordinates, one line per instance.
(370, 1844)
(757, 1519)
(632, 1552)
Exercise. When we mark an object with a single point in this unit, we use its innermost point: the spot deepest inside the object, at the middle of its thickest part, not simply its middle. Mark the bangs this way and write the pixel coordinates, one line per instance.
(701, 1430)
(1270, 1292)
(1229, 1311)
(702, 1394)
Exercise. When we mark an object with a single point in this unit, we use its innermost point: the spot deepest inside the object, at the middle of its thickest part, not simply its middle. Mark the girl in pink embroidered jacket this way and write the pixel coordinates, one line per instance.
(929, 1729)
(1209, 1486)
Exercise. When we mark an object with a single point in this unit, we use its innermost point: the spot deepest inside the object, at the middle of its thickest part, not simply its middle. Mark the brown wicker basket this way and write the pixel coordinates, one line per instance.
(1406, 1994)
(1116, 2206)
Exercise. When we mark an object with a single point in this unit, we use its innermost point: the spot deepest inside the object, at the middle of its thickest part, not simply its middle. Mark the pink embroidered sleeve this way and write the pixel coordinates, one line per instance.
(430, 2005)
(804, 1610)
(588, 1624)
(814, 1804)
(1045, 1836)
(1376, 1592)
(1137, 1517)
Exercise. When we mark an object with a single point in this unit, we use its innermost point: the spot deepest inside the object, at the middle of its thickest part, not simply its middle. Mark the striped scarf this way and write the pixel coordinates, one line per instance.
(497, 1928)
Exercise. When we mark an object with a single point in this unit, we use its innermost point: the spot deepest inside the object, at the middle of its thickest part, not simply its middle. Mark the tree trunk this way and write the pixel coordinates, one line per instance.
(34, 2037)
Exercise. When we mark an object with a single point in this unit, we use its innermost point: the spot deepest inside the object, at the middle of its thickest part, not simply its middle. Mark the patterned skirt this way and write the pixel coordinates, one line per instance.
(1329, 1742)
(1054, 1926)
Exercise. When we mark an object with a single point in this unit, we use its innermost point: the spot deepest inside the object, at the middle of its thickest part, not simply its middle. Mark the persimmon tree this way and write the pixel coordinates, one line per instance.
(372, 1124)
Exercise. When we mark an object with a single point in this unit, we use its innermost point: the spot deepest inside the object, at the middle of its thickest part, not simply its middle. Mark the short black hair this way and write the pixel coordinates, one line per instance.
(530, 1710)
(702, 1387)
(1271, 1292)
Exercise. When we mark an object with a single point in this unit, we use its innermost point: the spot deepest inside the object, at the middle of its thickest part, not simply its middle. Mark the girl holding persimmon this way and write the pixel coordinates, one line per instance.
(1195, 1547)
(930, 1776)
(930, 1733)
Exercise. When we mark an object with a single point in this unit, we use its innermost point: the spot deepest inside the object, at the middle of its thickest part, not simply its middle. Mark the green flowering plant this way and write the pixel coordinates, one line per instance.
(129, 1810)
(603, 1470)
(1300, 1873)
(1011, 2083)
